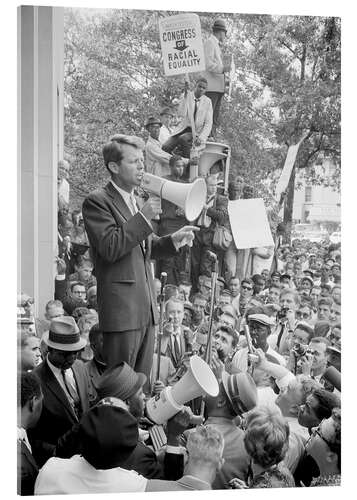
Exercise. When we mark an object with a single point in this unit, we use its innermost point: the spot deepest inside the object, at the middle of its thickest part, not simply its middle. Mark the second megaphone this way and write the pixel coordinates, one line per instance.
(198, 380)
(189, 196)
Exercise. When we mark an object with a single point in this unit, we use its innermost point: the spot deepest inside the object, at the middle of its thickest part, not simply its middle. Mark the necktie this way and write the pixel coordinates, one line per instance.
(280, 336)
(134, 210)
(195, 110)
(72, 393)
(133, 207)
(177, 348)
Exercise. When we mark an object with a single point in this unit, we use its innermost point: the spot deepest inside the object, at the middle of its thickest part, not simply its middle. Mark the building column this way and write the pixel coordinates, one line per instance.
(40, 146)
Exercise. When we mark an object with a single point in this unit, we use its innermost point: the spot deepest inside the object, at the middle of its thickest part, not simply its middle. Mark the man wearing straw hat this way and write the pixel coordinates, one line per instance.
(67, 391)
(156, 160)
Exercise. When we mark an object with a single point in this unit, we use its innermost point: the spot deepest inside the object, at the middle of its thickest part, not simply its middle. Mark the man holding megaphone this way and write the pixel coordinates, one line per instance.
(122, 244)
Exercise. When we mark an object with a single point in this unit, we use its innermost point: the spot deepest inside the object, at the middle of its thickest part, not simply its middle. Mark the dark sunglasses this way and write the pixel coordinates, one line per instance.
(246, 287)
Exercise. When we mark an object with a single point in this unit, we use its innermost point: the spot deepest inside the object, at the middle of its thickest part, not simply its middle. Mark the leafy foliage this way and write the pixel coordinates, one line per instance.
(287, 83)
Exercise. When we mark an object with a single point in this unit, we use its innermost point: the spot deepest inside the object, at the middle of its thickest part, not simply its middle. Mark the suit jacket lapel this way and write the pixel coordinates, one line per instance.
(53, 385)
(28, 455)
(166, 348)
(82, 387)
(182, 343)
(118, 201)
(120, 205)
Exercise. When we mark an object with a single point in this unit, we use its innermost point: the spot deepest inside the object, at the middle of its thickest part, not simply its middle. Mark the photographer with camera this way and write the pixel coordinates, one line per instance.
(314, 361)
(286, 320)
(299, 344)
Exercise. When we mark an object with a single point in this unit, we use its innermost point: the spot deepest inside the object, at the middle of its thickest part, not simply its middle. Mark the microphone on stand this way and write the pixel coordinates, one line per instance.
(163, 279)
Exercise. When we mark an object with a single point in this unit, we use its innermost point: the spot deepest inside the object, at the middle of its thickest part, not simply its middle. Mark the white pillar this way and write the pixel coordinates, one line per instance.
(40, 147)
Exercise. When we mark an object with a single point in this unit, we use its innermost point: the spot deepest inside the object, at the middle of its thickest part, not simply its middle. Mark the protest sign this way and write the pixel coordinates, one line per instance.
(288, 167)
(249, 223)
(181, 44)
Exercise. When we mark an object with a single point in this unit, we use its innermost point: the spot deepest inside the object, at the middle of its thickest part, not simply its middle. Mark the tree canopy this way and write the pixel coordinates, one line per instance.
(287, 83)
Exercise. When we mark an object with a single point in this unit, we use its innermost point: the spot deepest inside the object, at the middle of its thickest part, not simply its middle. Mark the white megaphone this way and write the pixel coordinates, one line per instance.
(189, 196)
(199, 380)
(213, 152)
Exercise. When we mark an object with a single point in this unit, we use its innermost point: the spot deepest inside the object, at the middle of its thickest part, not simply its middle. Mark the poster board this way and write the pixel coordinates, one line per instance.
(181, 44)
(249, 223)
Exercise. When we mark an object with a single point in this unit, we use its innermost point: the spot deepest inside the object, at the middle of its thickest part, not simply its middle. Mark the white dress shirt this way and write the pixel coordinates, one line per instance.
(156, 160)
(69, 378)
(240, 359)
(75, 476)
(130, 200)
(164, 134)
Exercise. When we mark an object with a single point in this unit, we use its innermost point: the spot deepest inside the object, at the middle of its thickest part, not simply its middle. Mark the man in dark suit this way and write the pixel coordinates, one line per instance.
(30, 407)
(215, 212)
(122, 245)
(96, 366)
(173, 218)
(67, 391)
(177, 339)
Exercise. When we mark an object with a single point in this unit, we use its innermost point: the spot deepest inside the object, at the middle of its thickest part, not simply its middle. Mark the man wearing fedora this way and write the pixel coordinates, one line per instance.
(67, 391)
(122, 246)
(215, 68)
(156, 160)
(167, 116)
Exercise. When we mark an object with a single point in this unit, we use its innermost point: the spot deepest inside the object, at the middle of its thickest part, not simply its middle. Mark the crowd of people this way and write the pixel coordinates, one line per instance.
(139, 291)
(280, 427)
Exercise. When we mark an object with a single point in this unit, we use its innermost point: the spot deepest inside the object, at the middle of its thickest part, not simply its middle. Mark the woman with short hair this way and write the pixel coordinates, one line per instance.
(266, 441)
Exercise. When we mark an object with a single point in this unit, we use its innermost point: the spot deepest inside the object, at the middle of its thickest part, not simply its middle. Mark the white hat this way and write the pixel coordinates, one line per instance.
(262, 318)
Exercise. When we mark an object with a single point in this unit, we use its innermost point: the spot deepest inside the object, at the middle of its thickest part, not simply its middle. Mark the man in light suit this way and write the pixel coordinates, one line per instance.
(215, 68)
(122, 244)
(205, 449)
(194, 108)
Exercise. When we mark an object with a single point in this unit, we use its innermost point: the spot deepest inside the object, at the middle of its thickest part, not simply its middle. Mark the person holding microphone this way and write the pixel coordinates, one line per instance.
(122, 244)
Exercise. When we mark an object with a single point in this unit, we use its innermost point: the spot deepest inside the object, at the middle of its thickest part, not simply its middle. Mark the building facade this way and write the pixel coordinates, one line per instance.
(317, 204)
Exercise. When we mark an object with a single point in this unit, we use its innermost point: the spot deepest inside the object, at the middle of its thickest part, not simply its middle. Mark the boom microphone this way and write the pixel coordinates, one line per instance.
(163, 279)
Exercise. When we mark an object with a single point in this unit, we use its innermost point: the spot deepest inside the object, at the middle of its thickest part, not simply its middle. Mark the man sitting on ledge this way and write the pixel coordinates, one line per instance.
(197, 108)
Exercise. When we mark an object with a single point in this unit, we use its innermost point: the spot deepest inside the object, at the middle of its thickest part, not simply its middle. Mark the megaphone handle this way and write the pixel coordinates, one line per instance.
(202, 409)
(157, 217)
